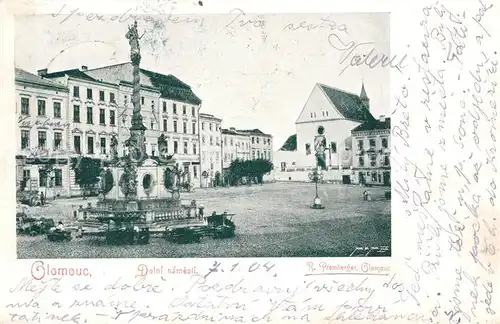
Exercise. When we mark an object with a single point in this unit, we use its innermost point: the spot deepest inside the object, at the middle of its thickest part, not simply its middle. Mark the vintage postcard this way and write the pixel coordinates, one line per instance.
(233, 162)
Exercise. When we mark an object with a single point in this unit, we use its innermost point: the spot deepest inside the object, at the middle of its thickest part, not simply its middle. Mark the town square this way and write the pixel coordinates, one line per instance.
(127, 160)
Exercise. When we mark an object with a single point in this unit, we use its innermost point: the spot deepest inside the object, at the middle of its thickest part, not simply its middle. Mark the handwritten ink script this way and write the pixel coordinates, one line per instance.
(227, 291)
(444, 163)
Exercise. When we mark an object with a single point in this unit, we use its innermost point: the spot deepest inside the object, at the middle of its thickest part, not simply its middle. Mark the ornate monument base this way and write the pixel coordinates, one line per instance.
(317, 203)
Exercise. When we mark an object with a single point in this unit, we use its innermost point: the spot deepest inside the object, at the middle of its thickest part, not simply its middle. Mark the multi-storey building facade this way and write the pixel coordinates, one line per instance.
(372, 152)
(211, 150)
(92, 115)
(236, 145)
(261, 144)
(41, 134)
(96, 104)
(169, 107)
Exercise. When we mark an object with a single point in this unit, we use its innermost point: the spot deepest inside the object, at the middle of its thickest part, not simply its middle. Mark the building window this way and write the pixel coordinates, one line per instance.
(103, 145)
(89, 115)
(101, 95)
(26, 175)
(77, 144)
(361, 161)
(25, 139)
(112, 118)
(211, 140)
(373, 160)
(185, 148)
(203, 139)
(203, 126)
(174, 107)
(374, 176)
(76, 114)
(210, 126)
(41, 107)
(90, 145)
(308, 149)
(184, 110)
(360, 145)
(102, 116)
(193, 125)
(384, 142)
(111, 97)
(194, 148)
(152, 124)
(57, 140)
(184, 127)
(153, 150)
(57, 110)
(257, 140)
(89, 93)
(42, 140)
(231, 142)
(176, 147)
(175, 126)
(76, 92)
(125, 100)
(387, 160)
(153, 105)
(164, 106)
(57, 177)
(372, 143)
(164, 125)
(193, 112)
(333, 147)
(253, 140)
(42, 182)
(253, 154)
(25, 106)
(195, 171)
(142, 100)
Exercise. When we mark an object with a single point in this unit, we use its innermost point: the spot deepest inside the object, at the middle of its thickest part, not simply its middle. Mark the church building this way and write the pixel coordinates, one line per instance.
(338, 112)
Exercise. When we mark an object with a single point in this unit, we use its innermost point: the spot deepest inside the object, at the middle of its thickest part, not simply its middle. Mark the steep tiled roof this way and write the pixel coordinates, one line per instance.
(290, 144)
(25, 76)
(348, 104)
(172, 88)
(75, 73)
(233, 132)
(373, 125)
(254, 131)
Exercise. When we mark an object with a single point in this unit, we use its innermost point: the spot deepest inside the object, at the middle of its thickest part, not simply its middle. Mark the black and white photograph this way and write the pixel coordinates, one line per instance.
(196, 136)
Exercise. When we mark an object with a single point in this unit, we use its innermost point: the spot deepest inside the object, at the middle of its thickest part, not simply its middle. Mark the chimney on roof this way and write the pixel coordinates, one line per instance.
(85, 68)
(382, 118)
(364, 98)
(42, 72)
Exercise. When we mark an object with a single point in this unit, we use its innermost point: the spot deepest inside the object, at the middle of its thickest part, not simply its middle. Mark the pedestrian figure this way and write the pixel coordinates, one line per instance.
(42, 198)
(60, 226)
(201, 211)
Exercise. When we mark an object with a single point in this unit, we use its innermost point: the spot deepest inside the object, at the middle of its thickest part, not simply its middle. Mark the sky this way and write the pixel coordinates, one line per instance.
(254, 75)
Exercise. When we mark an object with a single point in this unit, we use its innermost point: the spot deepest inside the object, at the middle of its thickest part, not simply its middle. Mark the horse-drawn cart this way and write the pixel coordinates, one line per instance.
(214, 226)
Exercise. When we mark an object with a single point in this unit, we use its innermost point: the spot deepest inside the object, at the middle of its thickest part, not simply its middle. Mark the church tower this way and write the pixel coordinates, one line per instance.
(364, 98)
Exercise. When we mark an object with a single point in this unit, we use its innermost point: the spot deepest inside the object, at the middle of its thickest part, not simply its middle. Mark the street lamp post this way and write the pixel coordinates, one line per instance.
(316, 176)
